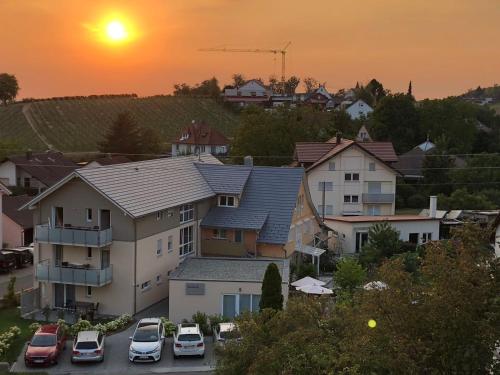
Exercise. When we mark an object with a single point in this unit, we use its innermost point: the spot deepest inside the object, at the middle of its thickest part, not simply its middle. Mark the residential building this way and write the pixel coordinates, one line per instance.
(35, 171)
(359, 109)
(112, 235)
(320, 98)
(107, 160)
(220, 286)
(17, 224)
(252, 92)
(3, 191)
(199, 138)
(346, 177)
(363, 135)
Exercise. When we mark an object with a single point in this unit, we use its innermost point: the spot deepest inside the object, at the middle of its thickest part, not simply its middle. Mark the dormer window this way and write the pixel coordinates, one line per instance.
(227, 201)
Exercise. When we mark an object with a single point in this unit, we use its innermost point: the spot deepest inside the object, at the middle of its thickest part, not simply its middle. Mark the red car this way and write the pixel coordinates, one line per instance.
(45, 346)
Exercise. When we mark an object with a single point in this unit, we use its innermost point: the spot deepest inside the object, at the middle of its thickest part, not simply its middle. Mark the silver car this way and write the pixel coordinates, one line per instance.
(88, 346)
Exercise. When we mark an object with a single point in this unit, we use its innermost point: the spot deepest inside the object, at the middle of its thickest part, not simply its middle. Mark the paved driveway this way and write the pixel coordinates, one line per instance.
(24, 279)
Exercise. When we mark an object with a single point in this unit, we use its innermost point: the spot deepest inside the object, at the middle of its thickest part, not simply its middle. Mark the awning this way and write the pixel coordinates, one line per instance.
(310, 250)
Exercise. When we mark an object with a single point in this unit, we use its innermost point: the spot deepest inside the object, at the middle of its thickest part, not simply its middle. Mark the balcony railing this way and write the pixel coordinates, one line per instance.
(73, 274)
(378, 198)
(76, 236)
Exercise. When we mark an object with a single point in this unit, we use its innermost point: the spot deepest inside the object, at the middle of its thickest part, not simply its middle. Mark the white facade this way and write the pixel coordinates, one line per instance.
(11, 175)
(355, 183)
(353, 235)
(252, 89)
(359, 109)
(179, 149)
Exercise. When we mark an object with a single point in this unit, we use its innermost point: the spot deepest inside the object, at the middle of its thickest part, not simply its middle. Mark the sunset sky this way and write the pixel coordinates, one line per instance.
(55, 47)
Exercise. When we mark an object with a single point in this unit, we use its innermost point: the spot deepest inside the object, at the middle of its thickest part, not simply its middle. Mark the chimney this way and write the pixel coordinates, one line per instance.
(338, 138)
(29, 154)
(432, 206)
(248, 161)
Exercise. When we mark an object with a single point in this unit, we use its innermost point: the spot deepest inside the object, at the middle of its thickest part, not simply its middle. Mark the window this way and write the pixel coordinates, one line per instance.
(351, 177)
(88, 214)
(186, 213)
(426, 237)
(89, 253)
(158, 279)
(328, 211)
(361, 239)
(413, 238)
(170, 244)
(27, 182)
(371, 167)
(159, 215)
(159, 247)
(331, 166)
(351, 198)
(373, 210)
(235, 304)
(326, 185)
(219, 234)
(186, 240)
(89, 291)
(146, 286)
(238, 236)
(226, 201)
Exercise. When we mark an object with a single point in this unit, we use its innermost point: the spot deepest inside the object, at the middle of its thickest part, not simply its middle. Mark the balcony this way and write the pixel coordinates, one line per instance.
(377, 198)
(75, 236)
(73, 274)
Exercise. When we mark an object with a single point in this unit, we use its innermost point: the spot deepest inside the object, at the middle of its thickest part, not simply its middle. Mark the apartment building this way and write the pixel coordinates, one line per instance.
(348, 178)
(199, 138)
(112, 235)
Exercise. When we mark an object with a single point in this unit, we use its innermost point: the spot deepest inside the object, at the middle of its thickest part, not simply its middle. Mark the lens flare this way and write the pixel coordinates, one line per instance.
(372, 323)
(115, 30)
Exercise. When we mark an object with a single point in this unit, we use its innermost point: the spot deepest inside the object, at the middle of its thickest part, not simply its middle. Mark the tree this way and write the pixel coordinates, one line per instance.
(274, 84)
(376, 90)
(271, 289)
(383, 242)
(410, 89)
(310, 84)
(9, 87)
(238, 80)
(349, 275)
(208, 87)
(10, 297)
(291, 85)
(436, 170)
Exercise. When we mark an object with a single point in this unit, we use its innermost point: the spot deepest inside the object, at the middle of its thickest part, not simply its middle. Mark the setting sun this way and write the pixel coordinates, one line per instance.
(116, 31)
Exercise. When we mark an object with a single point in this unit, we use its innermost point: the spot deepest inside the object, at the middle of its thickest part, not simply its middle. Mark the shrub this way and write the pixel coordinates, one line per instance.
(202, 320)
(306, 269)
(33, 327)
(271, 289)
(81, 325)
(349, 275)
(7, 338)
(216, 319)
(168, 326)
(61, 323)
(10, 298)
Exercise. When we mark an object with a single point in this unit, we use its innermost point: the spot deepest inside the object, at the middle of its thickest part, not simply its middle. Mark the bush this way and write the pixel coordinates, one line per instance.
(81, 325)
(271, 296)
(10, 298)
(306, 269)
(33, 327)
(417, 201)
(61, 323)
(168, 326)
(7, 338)
(216, 319)
(349, 275)
(202, 320)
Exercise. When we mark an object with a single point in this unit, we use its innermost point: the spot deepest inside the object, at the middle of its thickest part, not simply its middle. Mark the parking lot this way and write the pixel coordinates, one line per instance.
(116, 360)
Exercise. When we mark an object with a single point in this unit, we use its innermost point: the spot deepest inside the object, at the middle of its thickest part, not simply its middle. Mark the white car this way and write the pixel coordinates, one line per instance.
(88, 346)
(225, 331)
(188, 340)
(147, 342)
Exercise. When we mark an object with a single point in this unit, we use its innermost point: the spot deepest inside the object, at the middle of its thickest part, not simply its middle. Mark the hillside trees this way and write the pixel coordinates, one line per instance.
(9, 87)
(310, 84)
(209, 88)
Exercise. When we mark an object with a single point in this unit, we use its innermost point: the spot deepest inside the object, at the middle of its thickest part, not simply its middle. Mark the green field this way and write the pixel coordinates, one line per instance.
(79, 124)
(8, 318)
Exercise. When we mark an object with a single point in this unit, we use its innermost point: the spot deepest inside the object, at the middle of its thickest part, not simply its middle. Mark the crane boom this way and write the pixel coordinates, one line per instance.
(257, 50)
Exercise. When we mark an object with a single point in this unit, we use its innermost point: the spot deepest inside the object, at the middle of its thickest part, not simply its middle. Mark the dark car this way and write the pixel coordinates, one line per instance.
(23, 257)
(7, 261)
(45, 346)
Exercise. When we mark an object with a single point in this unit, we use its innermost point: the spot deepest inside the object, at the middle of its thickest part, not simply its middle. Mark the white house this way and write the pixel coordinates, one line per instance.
(359, 109)
(346, 177)
(252, 92)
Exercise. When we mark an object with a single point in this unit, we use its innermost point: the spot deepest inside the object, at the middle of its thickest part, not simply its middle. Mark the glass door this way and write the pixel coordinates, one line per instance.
(229, 305)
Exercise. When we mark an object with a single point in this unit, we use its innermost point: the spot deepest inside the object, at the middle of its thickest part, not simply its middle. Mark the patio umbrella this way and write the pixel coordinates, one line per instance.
(375, 285)
(307, 281)
(315, 289)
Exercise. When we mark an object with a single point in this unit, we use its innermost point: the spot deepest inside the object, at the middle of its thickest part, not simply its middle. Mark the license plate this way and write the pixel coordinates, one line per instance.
(38, 361)
(143, 357)
(189, 346)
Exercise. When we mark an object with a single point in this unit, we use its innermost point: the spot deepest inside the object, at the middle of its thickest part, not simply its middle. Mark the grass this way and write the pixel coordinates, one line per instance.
(10, 317)
(80, 124)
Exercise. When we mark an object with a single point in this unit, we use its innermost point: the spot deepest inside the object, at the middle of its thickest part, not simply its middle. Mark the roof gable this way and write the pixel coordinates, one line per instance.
(10, 208)
(225, 179)
(201, 134)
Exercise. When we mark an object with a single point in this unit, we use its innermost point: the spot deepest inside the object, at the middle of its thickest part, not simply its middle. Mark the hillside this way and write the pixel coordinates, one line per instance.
(79, 124)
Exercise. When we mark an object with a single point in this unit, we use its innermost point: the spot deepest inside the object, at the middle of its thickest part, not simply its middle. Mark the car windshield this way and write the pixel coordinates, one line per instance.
(189, 337)
(82, 345)
(146, 334)
(43, 340)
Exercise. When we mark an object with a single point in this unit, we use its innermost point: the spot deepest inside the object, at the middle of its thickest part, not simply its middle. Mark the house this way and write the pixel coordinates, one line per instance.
(3, 191)
(320, 98)
(17, 224)
(347, 177)
(220, 286)
(107, 160)
(35, 171)
(359, 109)
(252, 92)
(112, 235)
(199, 138)
(363, 135)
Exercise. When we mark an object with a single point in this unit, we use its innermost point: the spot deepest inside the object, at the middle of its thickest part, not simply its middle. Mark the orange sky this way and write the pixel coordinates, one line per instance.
(443, 46)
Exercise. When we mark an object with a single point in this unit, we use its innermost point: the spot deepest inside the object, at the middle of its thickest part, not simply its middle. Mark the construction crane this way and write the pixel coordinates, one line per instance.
(257, 50)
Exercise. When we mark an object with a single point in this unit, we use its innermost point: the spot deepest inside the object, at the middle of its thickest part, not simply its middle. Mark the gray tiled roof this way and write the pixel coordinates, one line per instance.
(225, 179)
(236, 218)
(228, 269)
(145, 187)
(275, 190)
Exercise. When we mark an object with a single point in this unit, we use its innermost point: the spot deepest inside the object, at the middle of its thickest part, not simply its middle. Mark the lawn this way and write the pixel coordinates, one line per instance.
(8, 318)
